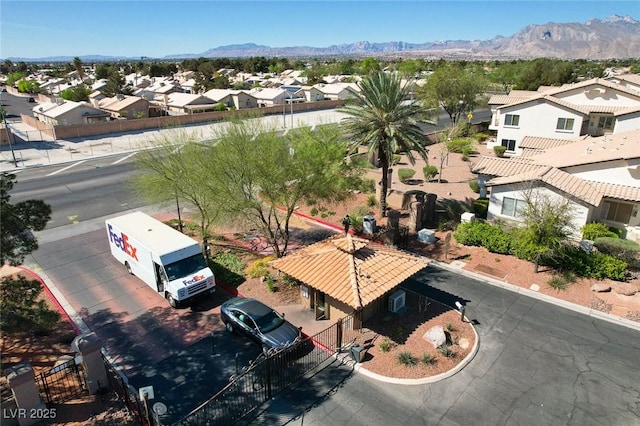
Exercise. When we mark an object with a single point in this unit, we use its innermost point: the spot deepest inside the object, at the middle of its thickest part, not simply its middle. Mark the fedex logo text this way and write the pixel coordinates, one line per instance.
(122, 242)
(193, 280)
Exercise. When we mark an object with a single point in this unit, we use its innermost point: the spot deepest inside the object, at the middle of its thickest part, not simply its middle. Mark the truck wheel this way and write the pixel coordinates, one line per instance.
(172, 302)
(229, 327)
(126, 265)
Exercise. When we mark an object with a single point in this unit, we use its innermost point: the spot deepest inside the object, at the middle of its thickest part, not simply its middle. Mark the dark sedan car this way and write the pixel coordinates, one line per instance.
(259, 323)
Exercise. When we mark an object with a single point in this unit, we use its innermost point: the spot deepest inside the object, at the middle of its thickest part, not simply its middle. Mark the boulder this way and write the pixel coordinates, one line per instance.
(601, 287)
(625, 289)
(435, 336)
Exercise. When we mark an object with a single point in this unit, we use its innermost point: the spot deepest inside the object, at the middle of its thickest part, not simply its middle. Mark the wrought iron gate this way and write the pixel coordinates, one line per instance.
(63, 382)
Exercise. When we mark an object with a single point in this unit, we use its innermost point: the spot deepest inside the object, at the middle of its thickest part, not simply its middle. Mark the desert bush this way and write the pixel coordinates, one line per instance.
(591, 265)
(289, 281)
(429, 172)
(499, 150)
(407, 359)
(259, 268)
(481, 207)
(626, 250)
(450, 327)
(557, 282)
(428, 359)
(474, 185)
(386, 345)
(372, 201)
(446, 351)
(594, 230)
(313, 212)
(368, 186)
(405, 174)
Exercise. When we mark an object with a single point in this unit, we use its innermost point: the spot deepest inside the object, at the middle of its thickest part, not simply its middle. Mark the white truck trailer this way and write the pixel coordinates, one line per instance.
(169, 262)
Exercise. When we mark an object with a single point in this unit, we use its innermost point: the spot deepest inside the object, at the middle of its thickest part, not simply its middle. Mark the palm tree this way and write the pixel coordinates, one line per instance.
(386, 122)
(77, 62)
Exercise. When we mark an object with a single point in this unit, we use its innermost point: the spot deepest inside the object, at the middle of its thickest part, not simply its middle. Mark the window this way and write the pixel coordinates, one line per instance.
(511, 120)
(512, 207)
(510, 144)
(565, 124)
(617, 212)
(605, 123)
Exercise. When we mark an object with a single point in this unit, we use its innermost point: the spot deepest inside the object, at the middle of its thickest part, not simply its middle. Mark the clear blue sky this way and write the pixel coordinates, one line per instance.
(34, 29)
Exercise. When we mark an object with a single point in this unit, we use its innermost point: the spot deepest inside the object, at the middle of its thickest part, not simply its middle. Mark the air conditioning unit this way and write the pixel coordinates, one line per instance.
(397, 300)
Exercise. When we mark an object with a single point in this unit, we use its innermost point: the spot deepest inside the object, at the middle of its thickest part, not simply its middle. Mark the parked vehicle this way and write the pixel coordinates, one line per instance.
(169, 262)
(259, 323)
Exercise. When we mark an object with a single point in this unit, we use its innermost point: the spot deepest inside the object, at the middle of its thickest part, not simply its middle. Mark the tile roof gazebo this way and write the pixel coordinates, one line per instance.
(347, 274)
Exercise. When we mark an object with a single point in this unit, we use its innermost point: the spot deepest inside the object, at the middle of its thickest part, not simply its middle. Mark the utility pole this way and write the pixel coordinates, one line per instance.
(9, 135)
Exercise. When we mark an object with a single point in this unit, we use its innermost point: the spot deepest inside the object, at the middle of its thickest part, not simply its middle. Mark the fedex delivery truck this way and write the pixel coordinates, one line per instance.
(169, 262)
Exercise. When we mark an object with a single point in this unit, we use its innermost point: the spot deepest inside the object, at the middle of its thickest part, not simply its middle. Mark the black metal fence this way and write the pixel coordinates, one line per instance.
(128, 395)
(271, 374)
(63, 382)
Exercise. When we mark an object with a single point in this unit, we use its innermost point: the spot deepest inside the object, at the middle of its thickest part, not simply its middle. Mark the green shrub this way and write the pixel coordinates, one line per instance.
(429, 172)
(368, 186)
(405, 174)
(289, 281)
(497, 240)
(259, 268)
(480, 137)
(474, 185)
(471, 233)
(314, 212)
(594, 230)
(428, 359)
(228, 267)
(499, 150)
(625, 250)
(524, 247)
(271, 283)
(591, 265)
(557, 282)
(372, 201)
(386, 345)
(481, 206)
(407, 359)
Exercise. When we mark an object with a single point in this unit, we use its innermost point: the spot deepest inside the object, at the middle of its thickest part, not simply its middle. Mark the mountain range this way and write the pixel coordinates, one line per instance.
(616, 37)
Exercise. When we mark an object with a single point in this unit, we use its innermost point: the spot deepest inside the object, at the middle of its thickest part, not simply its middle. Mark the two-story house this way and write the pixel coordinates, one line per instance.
(599, 176)
(593, 107)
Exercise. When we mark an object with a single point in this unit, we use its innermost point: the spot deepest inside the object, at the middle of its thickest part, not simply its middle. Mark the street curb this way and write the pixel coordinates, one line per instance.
(540, 296)
(62, 304)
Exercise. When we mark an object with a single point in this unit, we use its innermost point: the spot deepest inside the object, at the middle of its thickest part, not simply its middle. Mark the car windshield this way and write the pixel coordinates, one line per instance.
(269, 322)
(185, 267)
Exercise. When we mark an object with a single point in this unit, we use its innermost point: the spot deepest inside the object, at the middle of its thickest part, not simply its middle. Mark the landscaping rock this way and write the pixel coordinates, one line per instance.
(600, 287)
(464, 343)
(625, 289)
(435, 336)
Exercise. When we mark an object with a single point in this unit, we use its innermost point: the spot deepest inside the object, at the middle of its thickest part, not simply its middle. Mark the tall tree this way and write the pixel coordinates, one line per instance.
(382, 119)
(18, 223)
(77, 62)
(454, 90)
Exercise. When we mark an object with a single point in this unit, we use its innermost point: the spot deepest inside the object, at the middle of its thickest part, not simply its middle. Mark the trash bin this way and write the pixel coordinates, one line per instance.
(358, 352)
(369, 224)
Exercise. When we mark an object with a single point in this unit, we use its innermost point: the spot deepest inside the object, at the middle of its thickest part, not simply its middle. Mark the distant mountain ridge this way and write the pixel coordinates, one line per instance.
(615, 37)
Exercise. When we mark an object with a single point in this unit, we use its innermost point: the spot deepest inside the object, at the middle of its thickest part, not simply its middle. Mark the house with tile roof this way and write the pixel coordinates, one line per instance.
(338, 91)
(125, 107)
(600, 176)
(69, 113)
(238, 99)
(187, 103)
(593, 107)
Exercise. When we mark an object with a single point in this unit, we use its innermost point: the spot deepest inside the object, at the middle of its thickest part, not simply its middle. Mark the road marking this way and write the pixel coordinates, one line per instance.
(66, 168)
(124, 158)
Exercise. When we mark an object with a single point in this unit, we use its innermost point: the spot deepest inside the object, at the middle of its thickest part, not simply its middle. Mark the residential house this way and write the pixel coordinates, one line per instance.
(69, 113)
(127, 107)
(312, 94)
(599, 176)
(338, 91)
(238, 99)
(187, 103)
(268, 97)
(593, 107)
